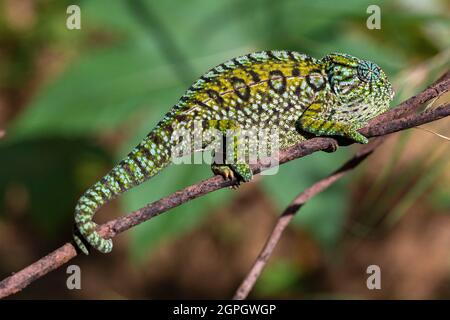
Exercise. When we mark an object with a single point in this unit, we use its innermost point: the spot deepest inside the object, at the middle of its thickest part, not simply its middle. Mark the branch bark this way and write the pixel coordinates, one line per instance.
(387, 123)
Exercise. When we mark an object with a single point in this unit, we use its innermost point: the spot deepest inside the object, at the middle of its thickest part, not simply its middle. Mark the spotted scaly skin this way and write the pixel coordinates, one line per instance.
(299, 95)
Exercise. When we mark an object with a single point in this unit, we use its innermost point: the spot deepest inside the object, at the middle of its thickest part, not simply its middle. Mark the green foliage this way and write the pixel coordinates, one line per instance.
(44, 177)
(278, 279)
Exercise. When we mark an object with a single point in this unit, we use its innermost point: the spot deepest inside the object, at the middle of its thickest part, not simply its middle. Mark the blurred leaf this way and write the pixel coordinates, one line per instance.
(441, 197)
(279, 277)
(98, 92)
(429, 176)
(42, 178)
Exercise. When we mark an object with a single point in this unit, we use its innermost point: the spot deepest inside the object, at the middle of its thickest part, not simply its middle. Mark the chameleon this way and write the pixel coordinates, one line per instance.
(300, 95)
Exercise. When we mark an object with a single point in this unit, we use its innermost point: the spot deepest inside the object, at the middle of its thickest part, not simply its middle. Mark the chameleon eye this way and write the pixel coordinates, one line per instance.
(368, 71)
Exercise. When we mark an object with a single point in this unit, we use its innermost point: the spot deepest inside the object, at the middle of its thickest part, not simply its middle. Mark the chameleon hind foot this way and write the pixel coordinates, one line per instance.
(242, 172)
(225, 171)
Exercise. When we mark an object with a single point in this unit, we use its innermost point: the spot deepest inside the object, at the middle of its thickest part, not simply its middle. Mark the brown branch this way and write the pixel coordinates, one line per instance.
(289, 213)
(60, 256)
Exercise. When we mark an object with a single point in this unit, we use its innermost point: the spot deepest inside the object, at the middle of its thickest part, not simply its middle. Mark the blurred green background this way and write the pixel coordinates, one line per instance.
(74, 102)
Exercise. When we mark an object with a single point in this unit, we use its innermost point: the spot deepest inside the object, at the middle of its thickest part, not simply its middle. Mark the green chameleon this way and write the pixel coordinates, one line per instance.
(299, 95)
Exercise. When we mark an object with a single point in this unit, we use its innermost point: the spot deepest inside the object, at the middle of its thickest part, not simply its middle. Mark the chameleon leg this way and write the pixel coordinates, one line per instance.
(240, 170)
(311, 121)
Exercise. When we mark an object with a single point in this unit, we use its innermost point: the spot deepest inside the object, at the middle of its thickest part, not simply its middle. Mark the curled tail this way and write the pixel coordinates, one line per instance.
(145, 161)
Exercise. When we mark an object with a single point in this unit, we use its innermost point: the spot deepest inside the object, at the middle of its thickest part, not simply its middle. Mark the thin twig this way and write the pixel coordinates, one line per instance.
(289, 213)
(380, 126)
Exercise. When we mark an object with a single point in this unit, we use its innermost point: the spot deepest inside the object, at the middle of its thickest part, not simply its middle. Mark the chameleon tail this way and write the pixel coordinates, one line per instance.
(145, 161)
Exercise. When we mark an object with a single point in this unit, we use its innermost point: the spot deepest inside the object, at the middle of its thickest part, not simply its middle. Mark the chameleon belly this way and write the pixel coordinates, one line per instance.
(289, 91)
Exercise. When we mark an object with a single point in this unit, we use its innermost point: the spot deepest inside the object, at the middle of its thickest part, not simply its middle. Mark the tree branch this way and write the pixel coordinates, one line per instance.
(384, 124)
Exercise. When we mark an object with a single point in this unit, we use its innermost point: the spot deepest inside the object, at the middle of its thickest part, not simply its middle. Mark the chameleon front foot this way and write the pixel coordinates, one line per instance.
(311, 122)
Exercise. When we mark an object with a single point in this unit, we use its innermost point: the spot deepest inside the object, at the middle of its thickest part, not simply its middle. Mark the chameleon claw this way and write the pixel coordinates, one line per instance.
(229, 174)
(237, 185)
(224, 171)
(334, 145)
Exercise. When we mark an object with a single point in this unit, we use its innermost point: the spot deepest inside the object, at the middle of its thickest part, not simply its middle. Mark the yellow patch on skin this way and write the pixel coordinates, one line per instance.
(222, 84)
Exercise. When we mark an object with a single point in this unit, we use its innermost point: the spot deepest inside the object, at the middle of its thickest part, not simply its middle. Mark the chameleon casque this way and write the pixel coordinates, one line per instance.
(299, 95)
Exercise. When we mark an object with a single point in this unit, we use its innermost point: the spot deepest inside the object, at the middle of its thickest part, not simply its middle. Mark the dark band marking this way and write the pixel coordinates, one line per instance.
(156, 139)
(255, 76)
(331, 114)
(240, 87)
(237, 63)
(271, 55)
(181, 117)
(214, 95)
(200, 103)
(205, 79)
(291, 56)
(93, 203)
(277, 81)
(103, 194)
(105, 183)
(194, 89)
(290, 105)
(252, 58)
(131, 175)
(316, 81)
(116, 178)
(139, 164)
(295, 72)
(225, 67)
(322, 123)
(145, 152)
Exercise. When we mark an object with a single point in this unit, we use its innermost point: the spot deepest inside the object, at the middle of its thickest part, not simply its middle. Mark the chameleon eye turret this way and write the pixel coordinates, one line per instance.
(368, 71)
(286, 90)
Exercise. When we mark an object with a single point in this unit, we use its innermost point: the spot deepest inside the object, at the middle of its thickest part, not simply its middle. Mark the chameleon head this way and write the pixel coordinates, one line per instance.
(361, 89)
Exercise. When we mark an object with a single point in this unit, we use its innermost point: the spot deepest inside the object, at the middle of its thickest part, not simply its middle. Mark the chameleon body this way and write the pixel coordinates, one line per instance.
(296, 93)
